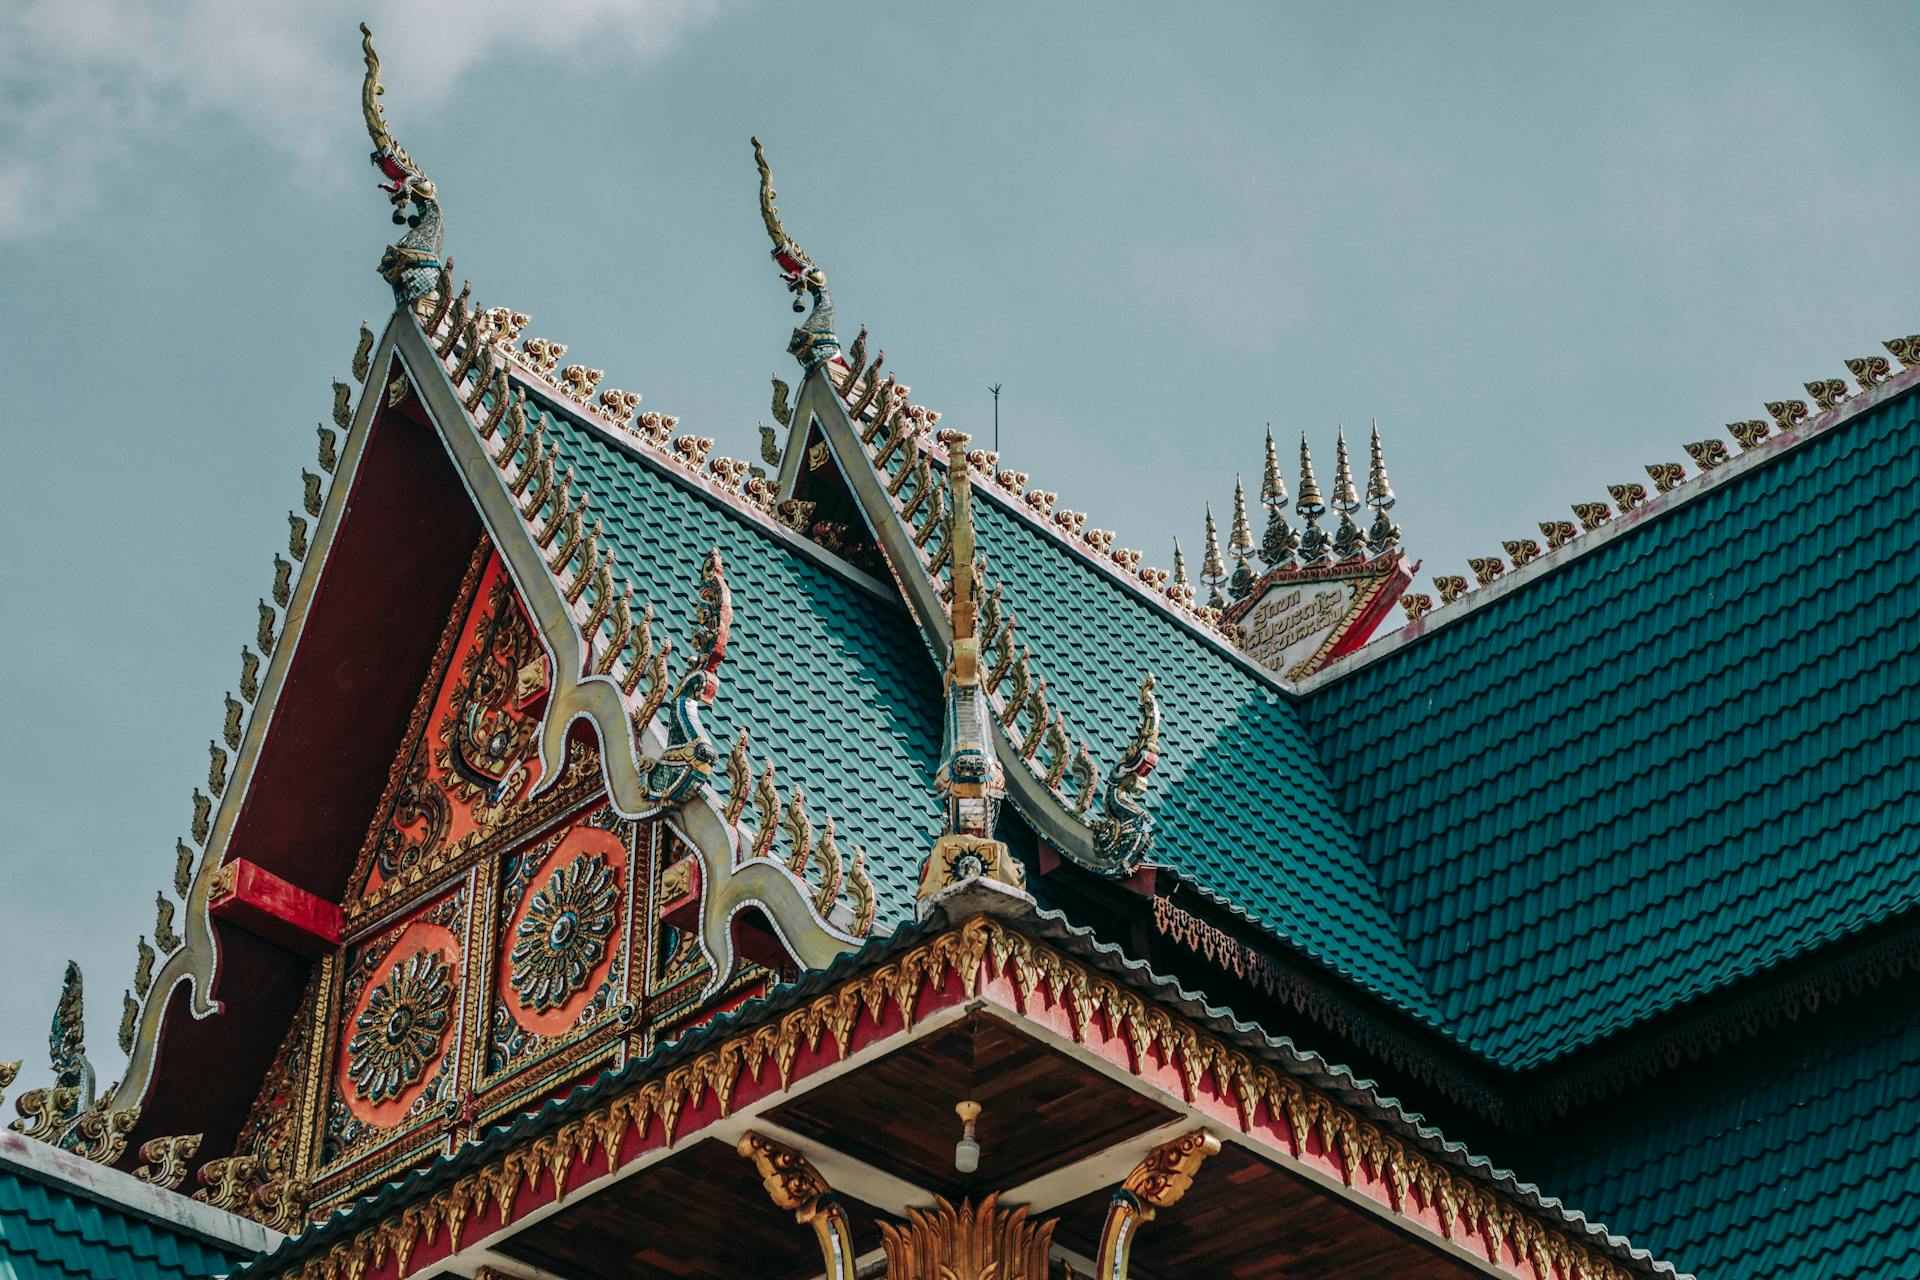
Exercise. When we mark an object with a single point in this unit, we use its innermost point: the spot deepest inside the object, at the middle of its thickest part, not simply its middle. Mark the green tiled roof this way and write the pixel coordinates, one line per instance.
(1239, 804)
(1799, 1162)
(48, 1233)
(842, 666)
(1682, 757)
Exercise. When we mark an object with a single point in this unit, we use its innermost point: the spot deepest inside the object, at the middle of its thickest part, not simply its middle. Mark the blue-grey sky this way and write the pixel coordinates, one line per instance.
(1543, 246)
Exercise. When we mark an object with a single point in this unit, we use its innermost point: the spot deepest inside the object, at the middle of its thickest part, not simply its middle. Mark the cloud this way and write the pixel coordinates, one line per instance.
(83, 83)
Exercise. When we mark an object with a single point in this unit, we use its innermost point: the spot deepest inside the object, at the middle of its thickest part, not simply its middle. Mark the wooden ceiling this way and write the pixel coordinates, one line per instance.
(1246, 1219)
(702, 1214)
(1040, 1110)
(699, 1215)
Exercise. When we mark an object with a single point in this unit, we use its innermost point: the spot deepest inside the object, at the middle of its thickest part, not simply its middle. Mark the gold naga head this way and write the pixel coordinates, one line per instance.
(405, 183)
(796, 268)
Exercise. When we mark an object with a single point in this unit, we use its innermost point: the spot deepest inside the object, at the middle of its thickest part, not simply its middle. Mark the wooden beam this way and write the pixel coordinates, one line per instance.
(248, 895)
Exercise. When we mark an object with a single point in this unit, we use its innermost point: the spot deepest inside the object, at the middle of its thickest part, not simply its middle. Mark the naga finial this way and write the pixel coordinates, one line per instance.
(1123, 834)
(412, 265)
(814, 342)
(678, 773)
(66, 1039)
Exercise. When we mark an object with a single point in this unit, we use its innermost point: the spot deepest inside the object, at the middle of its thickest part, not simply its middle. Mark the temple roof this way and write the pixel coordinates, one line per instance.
(1337, 1082)
(1240, 804)
(64, 1218)
(1671, 762)
(1801, 1164)
(859, 729)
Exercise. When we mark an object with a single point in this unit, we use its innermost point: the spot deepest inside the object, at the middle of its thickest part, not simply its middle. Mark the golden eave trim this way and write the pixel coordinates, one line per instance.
(1480, 1215)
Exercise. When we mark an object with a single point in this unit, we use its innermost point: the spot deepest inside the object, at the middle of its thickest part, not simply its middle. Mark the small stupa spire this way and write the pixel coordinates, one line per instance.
(1310, 504)
(1240, 543)
(1179, 565)
(1273, 486)
(1383, 534)
(1345, 499)
(1379, 492)
(1213, 570)
(1314, 542)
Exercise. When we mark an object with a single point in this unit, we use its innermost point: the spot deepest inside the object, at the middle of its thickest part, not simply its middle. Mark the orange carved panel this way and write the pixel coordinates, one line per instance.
(471, 753)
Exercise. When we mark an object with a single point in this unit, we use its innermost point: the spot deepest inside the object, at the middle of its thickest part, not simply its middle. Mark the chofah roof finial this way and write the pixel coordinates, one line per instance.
(412, 265)
(814, 342)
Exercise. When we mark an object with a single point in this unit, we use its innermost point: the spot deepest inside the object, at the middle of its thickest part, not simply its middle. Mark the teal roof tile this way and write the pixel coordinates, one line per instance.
(816, 658)
(1681, 757)
(47, 1233)
(1239, 803)
(1801, 1161)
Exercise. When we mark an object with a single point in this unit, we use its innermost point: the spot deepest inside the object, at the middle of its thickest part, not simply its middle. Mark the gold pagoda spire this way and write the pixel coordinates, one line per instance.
(1273, 486)
(1345, 499)
(1213, 570)
(1240, 542)
(1310, 504)
(1383, 535)
(970, 779)
(1379, 492)
(1179, 565)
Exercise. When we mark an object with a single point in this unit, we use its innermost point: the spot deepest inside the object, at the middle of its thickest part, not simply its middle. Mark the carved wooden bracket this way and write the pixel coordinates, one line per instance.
(1159, 1180)
(793, 1183)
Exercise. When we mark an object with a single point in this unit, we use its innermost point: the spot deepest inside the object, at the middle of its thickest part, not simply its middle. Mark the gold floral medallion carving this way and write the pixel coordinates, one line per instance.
(564, 933)
(398, 1035)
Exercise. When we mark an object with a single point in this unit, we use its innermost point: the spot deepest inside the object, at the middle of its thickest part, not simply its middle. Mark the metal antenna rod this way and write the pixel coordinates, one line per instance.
(995, 388)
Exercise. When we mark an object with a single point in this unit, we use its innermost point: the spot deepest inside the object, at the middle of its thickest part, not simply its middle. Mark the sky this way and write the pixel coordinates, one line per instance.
(1543, 247)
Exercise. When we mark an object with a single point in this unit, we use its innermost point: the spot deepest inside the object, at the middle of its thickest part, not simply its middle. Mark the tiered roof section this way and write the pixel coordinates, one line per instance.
(1659, 762)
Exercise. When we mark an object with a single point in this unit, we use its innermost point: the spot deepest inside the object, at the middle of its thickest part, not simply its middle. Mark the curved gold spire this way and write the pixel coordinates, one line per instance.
(370, 91)
(387, 153)
(799, 269)
(813, 343)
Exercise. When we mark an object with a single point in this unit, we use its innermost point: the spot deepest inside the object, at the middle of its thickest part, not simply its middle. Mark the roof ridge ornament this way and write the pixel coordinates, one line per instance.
(970, 779)
(814, 342)
(1123, 834)
(1384, 534)
(412, 264)
(1241, 544)
(1314, 542)
(1213, 570)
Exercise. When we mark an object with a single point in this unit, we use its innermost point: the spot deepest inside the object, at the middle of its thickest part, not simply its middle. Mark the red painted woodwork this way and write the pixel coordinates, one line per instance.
(392, 572)
(261, 902)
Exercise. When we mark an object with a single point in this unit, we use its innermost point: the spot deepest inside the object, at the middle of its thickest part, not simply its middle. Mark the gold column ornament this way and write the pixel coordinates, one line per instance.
(970, 779)
(965, 1243)
(1156, 1182)
(793, 1183)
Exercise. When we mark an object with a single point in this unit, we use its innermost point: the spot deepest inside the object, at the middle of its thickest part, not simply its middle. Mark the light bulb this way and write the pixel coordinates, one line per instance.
(966, 1152)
